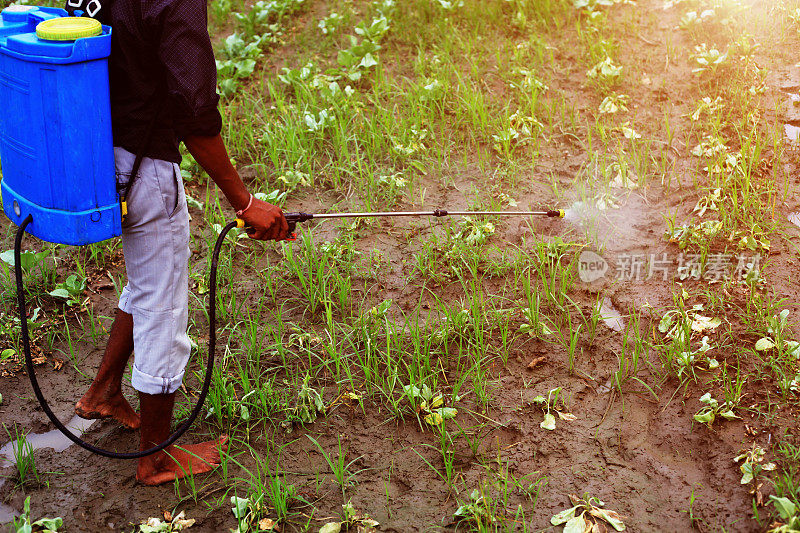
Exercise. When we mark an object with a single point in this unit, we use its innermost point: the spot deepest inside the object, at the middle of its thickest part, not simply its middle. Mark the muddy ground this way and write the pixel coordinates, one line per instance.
(644, 456)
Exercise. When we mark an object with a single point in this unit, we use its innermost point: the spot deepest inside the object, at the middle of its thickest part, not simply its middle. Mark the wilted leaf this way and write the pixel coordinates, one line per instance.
(569, 417)
(576, 524)
(747, 470)
(549, 422)
(536, 362)
(331, 527)
(665, 324)
(434, 419)
(764, 343)
(267, 524)
(701, 323)
(705, 418)
(612, 517)
(239, 508)
(563, 516)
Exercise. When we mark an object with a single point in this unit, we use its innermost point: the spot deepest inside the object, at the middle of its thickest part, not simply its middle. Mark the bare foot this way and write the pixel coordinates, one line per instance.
(178, 463)
(94, 406)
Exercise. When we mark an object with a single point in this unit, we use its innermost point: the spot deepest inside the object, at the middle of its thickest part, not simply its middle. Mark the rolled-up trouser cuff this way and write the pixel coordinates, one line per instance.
(154, 384)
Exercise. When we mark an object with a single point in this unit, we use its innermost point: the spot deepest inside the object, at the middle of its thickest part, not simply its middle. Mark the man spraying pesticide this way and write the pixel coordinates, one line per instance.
(161, 78)
(163, 81)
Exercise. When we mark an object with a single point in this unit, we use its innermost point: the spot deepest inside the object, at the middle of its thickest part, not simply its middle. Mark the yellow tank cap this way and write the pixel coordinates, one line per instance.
(68, 28)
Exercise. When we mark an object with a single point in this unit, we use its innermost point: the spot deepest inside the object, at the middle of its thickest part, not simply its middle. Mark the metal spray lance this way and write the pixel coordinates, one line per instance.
(295, 218)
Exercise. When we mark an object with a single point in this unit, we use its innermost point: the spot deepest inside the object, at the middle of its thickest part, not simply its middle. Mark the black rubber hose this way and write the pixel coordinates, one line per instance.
(212, 341)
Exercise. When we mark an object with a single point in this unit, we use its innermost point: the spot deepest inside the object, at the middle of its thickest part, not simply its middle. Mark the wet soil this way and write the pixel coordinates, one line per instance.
(643, 455)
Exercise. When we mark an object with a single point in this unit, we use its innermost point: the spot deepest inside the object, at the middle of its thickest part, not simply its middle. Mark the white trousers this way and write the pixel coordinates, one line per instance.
(155, 240)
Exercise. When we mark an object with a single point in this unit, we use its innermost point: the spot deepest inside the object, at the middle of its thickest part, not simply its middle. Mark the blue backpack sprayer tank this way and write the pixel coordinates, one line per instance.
(56, 147)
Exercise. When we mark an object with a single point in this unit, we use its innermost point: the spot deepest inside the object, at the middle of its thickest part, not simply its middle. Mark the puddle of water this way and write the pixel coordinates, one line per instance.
(792, 132)
(7, 513)
(605, 388)
(610, 316)
(794, 218)
(51, 439)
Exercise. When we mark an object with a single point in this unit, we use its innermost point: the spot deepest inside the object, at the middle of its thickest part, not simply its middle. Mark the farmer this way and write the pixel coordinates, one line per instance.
(163, 79)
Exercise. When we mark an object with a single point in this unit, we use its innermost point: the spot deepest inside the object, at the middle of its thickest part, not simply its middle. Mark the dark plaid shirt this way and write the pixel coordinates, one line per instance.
(161, 56)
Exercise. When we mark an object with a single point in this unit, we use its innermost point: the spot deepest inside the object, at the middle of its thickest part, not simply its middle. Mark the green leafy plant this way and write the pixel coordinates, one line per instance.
(248, 516)
(70, 290)
(709, 60)
(373, 31)
(358, 58)
(476, 511)
(712, 409)
(330, 24)
(429, 405)
(239, 61)
(686, 361)
(450, 5)
(308, 406)
(553, 402)
(751, 465)
(23, 524)
(585, 514)
(788, 512)
(31, 262)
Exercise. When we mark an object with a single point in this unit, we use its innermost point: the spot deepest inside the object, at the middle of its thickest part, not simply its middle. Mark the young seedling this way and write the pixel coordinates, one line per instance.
(477, 511)
(70, 290)
(585, 515)
(553, 403)
(430, 405)
(24, 460)
(308, 406)
(708, 60)
(247, 515)
(23, 524)
(354, 520)
(338, 465)
(712, 409)
(751, 465)
(686, 361)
